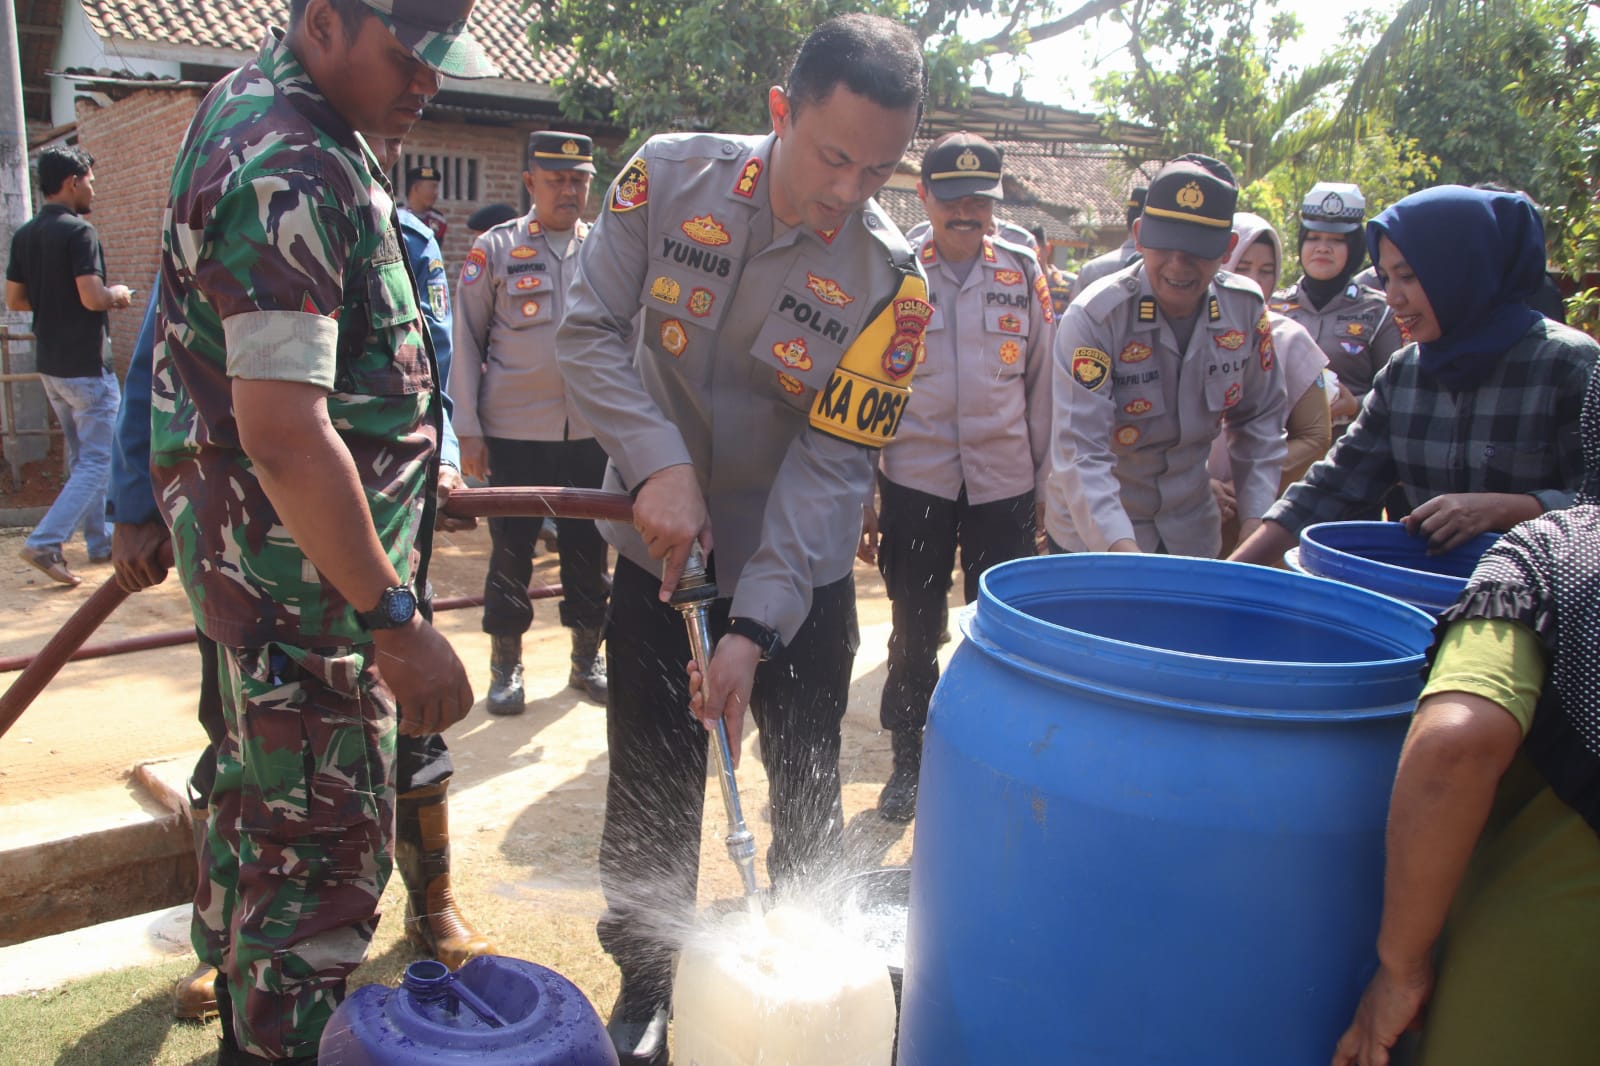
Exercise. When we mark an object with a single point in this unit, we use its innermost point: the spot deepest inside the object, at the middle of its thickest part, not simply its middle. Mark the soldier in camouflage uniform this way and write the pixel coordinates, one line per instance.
(295, 419)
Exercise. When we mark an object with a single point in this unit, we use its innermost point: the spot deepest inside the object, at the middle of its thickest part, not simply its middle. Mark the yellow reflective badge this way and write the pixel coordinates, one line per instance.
(1091, 368)
(866, 394)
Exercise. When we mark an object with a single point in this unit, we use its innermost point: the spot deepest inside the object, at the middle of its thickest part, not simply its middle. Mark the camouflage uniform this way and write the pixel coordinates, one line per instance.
(282, 260)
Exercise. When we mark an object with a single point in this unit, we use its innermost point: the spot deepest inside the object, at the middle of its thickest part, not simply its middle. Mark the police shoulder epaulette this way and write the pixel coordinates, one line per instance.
(683, 146)
(1104, 296)
(1225, 280)
(1021, 250)
(1286, 295)
(882, 227)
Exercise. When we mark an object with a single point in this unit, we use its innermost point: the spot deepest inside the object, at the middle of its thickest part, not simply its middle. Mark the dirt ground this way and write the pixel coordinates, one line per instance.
(529, 792)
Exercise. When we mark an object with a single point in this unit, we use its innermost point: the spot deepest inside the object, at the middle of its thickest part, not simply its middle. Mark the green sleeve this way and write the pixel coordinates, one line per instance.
(1501, 660)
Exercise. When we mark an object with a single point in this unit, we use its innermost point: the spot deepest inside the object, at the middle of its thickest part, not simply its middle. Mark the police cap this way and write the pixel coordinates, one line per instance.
(1333, 207)
(962, 164)
(422, 173)
(1190, 207)
(554, 150)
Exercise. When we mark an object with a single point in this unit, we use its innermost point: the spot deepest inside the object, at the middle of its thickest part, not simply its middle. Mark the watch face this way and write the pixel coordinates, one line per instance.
(400, 605)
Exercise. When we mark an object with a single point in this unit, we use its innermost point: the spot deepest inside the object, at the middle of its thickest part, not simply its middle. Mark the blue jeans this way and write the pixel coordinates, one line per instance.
(87, 411)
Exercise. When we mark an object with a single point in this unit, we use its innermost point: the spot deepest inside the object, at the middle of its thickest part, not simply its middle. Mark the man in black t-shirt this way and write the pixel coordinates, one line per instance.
(58, 272)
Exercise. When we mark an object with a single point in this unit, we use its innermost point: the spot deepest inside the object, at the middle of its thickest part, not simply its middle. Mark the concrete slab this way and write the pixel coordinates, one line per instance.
(137, 940)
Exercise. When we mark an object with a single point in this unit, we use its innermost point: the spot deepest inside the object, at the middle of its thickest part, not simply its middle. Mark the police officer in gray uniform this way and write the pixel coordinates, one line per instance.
(972, 446)
(518, 425)
(742, 333)
(1351, 323)
(1109, 263)
(1147, 364)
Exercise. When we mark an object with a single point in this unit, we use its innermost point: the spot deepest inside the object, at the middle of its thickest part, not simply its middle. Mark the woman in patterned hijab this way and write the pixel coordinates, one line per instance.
(1495, 818)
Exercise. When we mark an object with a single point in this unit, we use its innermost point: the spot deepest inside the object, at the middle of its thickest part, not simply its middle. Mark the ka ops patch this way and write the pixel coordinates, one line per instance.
(867, 392)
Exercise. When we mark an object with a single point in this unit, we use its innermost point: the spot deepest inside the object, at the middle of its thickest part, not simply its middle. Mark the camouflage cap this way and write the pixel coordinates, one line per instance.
(436, 32)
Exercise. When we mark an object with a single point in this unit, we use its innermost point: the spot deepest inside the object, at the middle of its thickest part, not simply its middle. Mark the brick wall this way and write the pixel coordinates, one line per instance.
(134, 143)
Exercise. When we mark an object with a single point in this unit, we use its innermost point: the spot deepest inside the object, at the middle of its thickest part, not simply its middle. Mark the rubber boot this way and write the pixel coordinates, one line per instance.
(422, 855)
(588, 667)
(505, 674)
(194, 997)
(898, 800)
(638, 1023)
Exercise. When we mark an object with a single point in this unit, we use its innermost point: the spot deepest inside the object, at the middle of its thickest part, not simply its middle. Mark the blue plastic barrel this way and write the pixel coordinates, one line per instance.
(1384, 557)
(494, 1011)
(1151, 823)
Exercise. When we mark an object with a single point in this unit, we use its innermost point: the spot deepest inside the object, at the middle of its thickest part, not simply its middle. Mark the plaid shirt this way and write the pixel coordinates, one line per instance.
(1518, 432)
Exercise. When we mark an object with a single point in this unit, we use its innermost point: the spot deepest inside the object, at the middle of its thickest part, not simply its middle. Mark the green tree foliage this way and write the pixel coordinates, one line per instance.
(654, 65)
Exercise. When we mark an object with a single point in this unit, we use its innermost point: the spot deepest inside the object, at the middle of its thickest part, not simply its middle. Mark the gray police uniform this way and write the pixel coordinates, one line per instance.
(1103, 266)
(1356, 330)
(1136, 415)
(972, 448)
(775, 360)
(507, 388)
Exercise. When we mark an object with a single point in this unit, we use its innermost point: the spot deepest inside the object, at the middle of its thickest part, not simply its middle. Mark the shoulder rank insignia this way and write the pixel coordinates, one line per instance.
(988, 251)
(930, 254)
(632, 189)
(749, 178)
(1147, 309)
(1213, 309)
(866, 394)
(534, 229)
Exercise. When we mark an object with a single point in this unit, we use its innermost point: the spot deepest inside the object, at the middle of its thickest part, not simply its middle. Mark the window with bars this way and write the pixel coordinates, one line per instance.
(458, 175)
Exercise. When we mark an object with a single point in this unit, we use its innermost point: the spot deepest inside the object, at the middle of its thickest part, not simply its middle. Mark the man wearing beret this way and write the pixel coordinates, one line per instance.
(973, 445)
(422, 194)
(1148, 364)
(517, 424)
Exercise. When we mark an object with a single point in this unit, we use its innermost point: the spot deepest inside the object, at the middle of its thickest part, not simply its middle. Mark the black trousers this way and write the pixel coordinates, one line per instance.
(580, 464)
(918, 534)
(650, 846)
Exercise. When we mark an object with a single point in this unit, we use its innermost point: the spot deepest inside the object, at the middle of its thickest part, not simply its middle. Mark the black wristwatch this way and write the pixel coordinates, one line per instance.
(764, 637)
(395, 608)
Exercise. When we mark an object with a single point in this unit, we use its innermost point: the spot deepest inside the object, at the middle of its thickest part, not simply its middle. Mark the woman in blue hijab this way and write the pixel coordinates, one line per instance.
(1477, 419)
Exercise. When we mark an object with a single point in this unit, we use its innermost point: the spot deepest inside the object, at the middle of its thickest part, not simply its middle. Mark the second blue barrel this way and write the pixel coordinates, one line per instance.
(1150, 827)
(1386, 558)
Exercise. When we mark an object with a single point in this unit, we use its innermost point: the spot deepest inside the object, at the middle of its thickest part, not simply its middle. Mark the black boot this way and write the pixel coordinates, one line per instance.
(638, 1023)
(588, 666)
(422, 856)
(505, 674)
(898, 800)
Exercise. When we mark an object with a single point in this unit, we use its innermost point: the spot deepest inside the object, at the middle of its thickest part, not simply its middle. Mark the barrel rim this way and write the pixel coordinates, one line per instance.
(1241, 687)
(1439, 590)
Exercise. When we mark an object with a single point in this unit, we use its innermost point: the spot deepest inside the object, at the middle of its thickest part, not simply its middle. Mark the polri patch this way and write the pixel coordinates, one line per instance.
(1135, 353)
(793, 354)
(473, 268)
(632, 190)
(522, 251)
(1232, 340)
(1008, 277)
(1091, 368)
